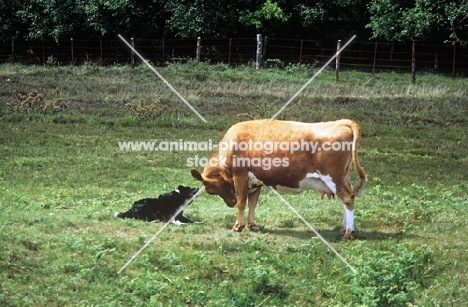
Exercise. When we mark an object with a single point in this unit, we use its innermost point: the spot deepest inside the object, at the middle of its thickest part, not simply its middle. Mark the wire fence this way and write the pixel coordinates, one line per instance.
(369, 56)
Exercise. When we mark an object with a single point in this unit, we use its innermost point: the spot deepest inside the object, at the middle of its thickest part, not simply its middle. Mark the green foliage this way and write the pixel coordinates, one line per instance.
(345, 17)
(264, 279)
(190, 19)
(56, 19)
(268, 14)
(456, 17)
(392, 278)
(422, 20)
(393, 20)
(51, 61)
(143, 18)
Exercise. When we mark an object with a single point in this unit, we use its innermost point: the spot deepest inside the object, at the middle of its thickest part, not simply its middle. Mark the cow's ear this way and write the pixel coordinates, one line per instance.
(196, 174)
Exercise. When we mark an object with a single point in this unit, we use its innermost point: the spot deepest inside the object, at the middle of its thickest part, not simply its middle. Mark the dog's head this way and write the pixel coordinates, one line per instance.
(186, 192)
(176, 198)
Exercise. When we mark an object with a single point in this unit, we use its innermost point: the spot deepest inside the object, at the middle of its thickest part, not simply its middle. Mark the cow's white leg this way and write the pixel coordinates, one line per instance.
(344, 218)
(345, 193)
(348, 222)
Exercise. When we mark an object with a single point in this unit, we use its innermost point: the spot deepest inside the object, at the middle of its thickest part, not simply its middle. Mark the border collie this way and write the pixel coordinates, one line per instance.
(161, 208)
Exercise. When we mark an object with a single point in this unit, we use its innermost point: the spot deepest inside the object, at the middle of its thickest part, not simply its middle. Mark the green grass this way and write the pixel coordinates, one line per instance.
(62, 177)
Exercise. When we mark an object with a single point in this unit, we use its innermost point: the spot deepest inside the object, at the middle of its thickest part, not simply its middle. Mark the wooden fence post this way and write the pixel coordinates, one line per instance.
(337, 60)
(100, 51)
(43, 53)
(259, 51)
(132, 54)
(13, 50)
(197, 56)
(300, 51)
(391, 53)
(375, 61)
(453, 62)
(229, 54)
(72, 53)
(413, 63)
(163, 53)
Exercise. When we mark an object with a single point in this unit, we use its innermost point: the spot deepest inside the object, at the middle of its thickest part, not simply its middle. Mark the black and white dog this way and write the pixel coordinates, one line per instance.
(162, 208)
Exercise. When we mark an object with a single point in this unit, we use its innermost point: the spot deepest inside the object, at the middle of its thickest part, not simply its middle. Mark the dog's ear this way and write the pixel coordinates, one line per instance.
(183, 189)
(180, 189)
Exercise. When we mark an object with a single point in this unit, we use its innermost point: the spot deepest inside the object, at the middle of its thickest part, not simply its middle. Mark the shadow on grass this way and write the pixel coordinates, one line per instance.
(333, 235)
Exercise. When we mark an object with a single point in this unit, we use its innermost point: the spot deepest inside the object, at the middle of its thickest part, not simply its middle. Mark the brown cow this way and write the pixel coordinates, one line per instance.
(288, 156)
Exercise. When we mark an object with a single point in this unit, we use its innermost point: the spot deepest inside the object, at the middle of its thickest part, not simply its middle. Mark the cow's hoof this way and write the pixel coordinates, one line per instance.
(238, 228)
(252, 227)
(347, 234)
(342, 231)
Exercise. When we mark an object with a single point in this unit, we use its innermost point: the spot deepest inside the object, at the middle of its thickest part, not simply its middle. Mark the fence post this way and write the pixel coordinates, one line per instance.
(259, 51)
(391, 53)
(413, 63)
(163, 53)
(300, 51)
(132, 54)
(229, 54)
(197, 56)
(375, 61)
(100, 51)
(13, 50)
(43, 53)
(337, 60)
(453, 65)
(72, 53)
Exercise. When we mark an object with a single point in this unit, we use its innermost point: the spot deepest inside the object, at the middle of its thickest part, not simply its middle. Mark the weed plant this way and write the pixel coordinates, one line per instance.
(143, 110)
(34, 102)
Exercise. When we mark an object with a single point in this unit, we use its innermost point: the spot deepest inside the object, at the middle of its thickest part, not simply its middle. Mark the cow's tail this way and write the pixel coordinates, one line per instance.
(359, 187)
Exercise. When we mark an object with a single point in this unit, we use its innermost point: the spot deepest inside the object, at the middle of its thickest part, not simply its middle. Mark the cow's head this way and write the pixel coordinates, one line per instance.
(216, 184)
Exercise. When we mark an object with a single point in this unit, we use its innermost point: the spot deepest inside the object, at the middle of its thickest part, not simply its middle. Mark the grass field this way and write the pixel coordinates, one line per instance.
(62, 177)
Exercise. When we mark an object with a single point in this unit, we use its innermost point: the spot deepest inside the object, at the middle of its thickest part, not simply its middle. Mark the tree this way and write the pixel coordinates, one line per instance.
(419, 20)
(143, 18)
(50, 18)
(335, 19)
(384, 19)
(265, 18)
(10, 24)
(457, 20)
(207, 18)
(437, 21)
